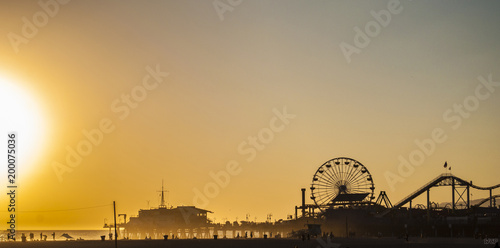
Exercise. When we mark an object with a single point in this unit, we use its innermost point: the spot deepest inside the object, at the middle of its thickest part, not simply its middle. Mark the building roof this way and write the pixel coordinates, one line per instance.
(350, 197)
(194, 208)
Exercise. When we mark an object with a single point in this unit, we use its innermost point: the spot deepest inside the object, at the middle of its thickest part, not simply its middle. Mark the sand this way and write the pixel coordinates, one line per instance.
(260, 243)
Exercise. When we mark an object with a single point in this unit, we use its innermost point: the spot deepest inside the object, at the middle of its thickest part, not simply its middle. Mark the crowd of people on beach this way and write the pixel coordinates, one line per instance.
(43, 237)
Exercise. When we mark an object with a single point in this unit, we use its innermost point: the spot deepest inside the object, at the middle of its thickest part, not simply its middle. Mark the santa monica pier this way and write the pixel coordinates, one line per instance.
(343, 203)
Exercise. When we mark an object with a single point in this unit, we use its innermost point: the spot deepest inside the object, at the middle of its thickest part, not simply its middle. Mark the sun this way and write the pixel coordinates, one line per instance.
(22, 114)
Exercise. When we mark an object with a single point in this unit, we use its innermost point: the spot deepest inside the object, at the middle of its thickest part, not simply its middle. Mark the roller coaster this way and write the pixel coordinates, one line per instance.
(460, 193)
(345, 182)
(343, 203)
(343, 195)
(490, 199)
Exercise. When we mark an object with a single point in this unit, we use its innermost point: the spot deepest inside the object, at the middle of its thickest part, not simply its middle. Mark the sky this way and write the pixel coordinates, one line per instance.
(235, 104)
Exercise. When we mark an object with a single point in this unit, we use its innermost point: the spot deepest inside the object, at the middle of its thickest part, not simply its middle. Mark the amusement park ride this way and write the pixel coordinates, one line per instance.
(343, 196)
(345, 183)
(338, 182)
(343, 192)
(341, 181)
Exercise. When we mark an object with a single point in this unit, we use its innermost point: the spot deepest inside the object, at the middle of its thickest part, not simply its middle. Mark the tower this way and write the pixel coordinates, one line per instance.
(162, 202)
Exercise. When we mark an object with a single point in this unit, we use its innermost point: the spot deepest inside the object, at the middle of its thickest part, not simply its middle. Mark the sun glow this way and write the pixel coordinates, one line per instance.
(21, 114)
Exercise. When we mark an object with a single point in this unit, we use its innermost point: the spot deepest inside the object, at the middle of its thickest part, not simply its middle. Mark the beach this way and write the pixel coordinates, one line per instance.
(261, 243)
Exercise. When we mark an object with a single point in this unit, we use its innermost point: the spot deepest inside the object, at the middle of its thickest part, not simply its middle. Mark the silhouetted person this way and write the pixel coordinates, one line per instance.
(23, 237)
(251, 234)
(54, 236)
(41, 236)
(32, 236)
(246, 235)
(111, 236)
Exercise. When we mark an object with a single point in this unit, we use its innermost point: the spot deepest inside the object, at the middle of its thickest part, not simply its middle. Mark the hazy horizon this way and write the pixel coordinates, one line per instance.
(235, 104)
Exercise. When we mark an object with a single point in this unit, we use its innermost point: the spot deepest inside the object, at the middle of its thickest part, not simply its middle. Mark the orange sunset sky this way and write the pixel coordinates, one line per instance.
(242, 100)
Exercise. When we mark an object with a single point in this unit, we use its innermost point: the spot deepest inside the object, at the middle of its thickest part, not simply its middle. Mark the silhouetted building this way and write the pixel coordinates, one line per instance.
(168, 218)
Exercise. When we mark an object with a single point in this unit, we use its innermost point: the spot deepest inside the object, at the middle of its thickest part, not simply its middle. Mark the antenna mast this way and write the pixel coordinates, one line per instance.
(162, 203)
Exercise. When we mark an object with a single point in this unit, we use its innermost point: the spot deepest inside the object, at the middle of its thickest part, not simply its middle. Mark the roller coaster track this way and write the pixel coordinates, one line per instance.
(444, 179)
(486, 200)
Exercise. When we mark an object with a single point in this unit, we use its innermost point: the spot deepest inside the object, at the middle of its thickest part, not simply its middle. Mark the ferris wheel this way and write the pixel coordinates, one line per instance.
(341, 181)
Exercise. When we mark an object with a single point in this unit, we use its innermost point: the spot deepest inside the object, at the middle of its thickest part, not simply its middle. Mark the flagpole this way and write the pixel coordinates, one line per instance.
(116, 234)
